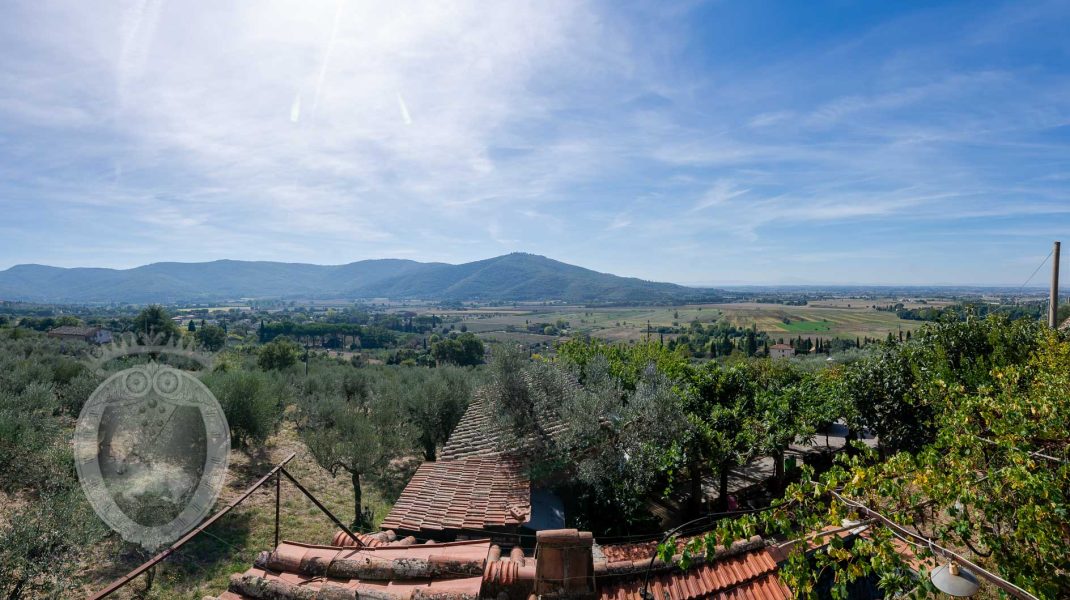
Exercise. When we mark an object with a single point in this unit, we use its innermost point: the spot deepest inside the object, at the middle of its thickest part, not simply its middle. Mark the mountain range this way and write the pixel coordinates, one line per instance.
(515, 277)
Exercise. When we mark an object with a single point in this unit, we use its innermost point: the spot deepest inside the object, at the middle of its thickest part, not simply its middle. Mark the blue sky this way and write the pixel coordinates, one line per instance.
(698, 142)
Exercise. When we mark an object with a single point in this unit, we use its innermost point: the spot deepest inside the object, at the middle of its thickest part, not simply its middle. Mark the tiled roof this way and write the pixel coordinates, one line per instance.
(450, 571)
(475, 435)
(371, 540)
(818, 539)
(638, 551)
(466, 493)
(512, 574)
(743, 580)
(73, 330)
(749, 573)
(479, 434)
(473, 485)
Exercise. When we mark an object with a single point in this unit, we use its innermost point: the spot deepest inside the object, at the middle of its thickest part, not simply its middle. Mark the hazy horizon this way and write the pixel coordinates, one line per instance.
(747, 143)
(1032, 286)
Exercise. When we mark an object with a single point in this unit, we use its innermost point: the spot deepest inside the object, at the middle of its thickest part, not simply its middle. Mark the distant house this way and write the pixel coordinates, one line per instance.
(781, 351)
(93, 335)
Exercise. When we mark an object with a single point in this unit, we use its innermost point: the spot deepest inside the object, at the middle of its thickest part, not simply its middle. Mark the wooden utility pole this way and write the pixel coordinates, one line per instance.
(1053, 300)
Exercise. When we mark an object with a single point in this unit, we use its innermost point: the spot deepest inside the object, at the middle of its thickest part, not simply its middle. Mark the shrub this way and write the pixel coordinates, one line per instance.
(73, 396)
(278, 354)
(41, 539)
(27, 430)
(66, 369)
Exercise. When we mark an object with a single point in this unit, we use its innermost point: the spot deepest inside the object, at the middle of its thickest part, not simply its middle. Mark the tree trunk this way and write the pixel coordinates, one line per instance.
(778, 470)
(358, 515)
(696, 489)
(851, 436)
(16, 592)
(150, 577)
(722, 502)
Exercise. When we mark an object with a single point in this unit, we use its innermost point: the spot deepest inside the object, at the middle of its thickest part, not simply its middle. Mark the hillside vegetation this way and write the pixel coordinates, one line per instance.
(969, 418)
(516, 277)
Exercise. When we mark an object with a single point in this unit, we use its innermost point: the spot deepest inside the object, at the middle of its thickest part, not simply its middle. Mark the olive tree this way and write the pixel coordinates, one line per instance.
(279, 354)
(252, 401)
(360, 437)
(434, 400)
(609, 434)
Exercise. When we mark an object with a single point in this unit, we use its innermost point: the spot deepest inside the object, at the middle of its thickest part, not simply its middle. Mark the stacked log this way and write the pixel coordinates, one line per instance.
(263, 588)
(374, 568)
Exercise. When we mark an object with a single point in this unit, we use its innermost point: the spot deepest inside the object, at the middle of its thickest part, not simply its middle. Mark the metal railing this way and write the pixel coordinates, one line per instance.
(277, 472)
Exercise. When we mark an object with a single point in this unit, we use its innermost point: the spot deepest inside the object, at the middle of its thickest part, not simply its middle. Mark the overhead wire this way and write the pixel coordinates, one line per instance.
(639, 537)
(1030, 452)
(1035, 271)
(947, 553)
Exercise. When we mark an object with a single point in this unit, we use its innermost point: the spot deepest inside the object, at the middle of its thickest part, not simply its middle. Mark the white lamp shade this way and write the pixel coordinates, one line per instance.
(954, 580)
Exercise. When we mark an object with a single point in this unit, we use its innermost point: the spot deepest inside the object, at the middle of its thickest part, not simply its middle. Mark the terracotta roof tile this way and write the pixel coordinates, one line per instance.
(473, 485)
(371, 540)
(466, 493)
(74, 330)
(450, 571)
(475, 435)
(637, 551)
(745, 571)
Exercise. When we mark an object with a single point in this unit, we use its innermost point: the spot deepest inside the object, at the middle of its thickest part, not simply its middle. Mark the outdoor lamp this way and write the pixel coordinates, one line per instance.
(954, 580)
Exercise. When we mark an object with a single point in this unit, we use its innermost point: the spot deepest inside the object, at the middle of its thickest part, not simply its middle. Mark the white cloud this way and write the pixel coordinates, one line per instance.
(295, 109)
(137, 30)
(619, 222)
(332, 130)
(404, 110)
(331, 39)
(721, 192)
(767, 119)
(291, 110)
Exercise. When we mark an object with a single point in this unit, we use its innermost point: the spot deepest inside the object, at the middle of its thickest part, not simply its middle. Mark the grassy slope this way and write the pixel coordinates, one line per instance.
(204, 566)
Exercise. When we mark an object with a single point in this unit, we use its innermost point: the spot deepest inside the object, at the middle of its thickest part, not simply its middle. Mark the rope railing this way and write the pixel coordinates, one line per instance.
(277, 472)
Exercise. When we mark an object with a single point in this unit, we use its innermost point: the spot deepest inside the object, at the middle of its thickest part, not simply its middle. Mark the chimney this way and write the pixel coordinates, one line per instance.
(564, 566)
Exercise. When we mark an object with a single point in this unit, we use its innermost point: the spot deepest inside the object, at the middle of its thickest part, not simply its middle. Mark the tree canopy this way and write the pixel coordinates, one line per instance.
(154, 320)
(462, 350)
(278, 354)
(211, 337)
(359, 436)
(988, 478)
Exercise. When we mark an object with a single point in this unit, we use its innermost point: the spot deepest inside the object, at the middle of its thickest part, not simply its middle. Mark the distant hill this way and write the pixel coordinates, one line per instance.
(512, 277)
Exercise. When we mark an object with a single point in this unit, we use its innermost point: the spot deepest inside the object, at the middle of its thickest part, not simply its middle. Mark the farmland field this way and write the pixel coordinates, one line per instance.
(824, 319)
(807, 326)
